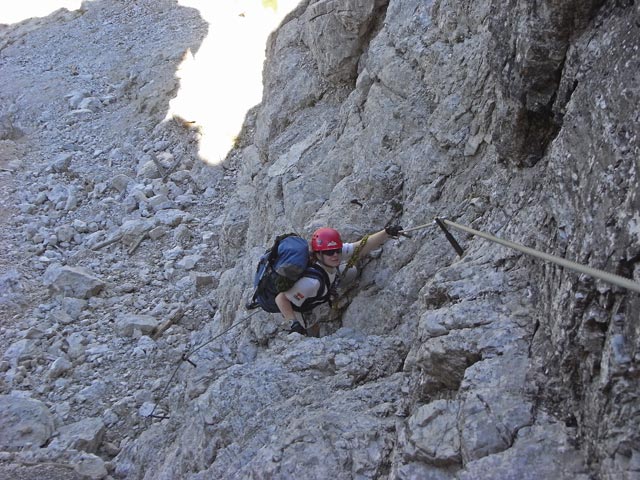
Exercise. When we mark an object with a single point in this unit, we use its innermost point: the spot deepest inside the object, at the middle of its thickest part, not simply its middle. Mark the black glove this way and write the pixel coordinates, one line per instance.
(297, 328)
(393, 230)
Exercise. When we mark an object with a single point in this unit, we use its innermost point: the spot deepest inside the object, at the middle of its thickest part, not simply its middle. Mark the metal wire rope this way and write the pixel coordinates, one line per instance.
(185, 358)
(594, 272)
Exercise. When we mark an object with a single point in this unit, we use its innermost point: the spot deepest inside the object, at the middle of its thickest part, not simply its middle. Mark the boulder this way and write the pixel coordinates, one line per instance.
(24, 422)
(77, 282)
(126, 325)
(85, 435)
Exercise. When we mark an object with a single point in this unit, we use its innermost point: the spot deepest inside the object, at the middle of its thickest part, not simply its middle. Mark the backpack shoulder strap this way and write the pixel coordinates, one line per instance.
(316, 271)
(324, 293)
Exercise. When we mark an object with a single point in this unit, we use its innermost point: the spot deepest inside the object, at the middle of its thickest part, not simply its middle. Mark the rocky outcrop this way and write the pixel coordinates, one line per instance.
(478, 112)
(588, 330)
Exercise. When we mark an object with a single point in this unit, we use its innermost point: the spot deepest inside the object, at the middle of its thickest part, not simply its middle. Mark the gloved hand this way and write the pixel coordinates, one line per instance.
(393, 230)
(297, 328)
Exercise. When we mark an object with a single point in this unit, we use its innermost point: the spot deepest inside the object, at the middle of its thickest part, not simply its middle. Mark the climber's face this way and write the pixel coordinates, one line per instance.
(332, 258)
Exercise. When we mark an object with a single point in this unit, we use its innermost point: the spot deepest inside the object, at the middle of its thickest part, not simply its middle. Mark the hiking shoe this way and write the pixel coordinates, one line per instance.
(251, 305)
(297, 328)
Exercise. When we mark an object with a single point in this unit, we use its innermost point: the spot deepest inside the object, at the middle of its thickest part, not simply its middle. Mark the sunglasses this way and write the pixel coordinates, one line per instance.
(330, 253)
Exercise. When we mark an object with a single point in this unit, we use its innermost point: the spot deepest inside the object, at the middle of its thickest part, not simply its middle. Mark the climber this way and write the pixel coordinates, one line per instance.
(329, 253)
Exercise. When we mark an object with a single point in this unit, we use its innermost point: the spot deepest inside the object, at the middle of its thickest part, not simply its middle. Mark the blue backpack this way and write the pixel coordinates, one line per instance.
(280, 267)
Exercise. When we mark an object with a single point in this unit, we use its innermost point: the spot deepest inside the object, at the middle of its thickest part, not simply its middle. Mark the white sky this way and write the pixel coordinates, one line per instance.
(223, 80)
(12, 11)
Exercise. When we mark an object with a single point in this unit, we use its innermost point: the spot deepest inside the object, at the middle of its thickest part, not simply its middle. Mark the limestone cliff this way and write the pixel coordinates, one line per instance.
(515, 118)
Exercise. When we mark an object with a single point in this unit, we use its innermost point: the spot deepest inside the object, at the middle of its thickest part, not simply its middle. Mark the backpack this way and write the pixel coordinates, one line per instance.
(280, 267)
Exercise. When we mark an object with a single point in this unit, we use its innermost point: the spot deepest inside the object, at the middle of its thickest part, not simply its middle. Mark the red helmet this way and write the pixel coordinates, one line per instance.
(325, 239)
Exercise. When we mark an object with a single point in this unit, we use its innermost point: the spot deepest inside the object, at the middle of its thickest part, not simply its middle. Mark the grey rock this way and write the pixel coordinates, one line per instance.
(189, 262)
(20, 351)
(336, 37)
(74, 306)
(58, 194)
(8, 129)
(431, 434)
(170, 217)
(144, 347)
(133, 230)
(149, 170)
(85, 435)
(182, 234)
(76, 344)
(538, 454)
(25, 422)
(92, 394)
(77, 282)
(160, 202)
(121, 182)
(90, 466)
(90, 103)
(126, 325)
(10, 287)
(59, 367)
(61, 162)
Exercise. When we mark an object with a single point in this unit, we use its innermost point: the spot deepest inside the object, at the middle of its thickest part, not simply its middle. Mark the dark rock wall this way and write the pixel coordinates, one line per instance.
(529, 45)
(587, 343)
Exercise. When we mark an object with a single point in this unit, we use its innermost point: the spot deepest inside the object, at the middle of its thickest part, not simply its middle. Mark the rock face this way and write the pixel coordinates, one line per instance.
(516, 118)
(502, 117)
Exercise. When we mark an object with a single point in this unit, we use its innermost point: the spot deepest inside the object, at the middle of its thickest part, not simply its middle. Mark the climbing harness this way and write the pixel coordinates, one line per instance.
(185, 358)
(593, 272)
